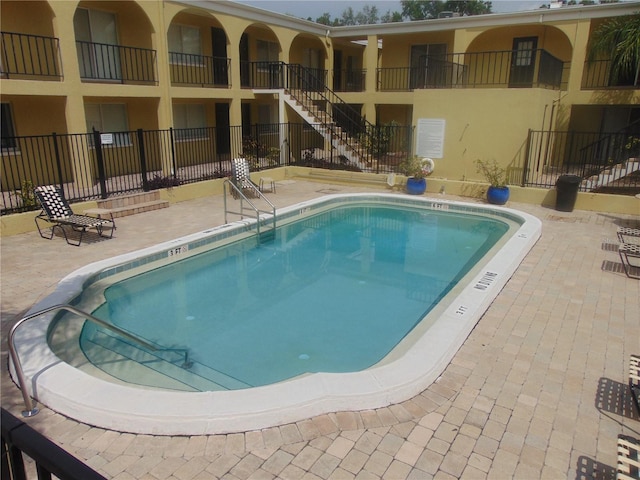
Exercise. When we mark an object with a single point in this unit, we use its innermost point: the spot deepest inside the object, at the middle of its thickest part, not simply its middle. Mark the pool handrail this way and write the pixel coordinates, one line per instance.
(244, 198)
(15, 358)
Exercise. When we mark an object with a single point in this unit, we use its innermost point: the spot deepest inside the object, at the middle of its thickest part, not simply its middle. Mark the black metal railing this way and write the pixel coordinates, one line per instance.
(30, 56)
(597, 74)
(91, 166)
(19, 440)
(606, 161)
(476, 69)
(116, 63)
(349, 80)
(199, 70)
(273, 75)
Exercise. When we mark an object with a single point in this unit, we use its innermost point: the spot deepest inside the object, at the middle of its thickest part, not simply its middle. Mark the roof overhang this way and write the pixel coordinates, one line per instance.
(540, 16)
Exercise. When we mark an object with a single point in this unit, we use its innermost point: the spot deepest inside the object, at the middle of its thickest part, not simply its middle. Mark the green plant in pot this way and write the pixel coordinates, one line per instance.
(417, 169)
(498, 191)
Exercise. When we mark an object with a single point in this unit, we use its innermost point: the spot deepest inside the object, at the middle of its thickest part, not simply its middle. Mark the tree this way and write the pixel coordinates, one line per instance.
(367, 16)
(391, 17)
(618, 39)
(425, 9)
(347, 17)
(324, 19)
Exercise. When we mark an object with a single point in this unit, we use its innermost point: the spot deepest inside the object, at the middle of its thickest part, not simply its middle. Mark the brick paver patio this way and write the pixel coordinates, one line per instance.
(538, 390)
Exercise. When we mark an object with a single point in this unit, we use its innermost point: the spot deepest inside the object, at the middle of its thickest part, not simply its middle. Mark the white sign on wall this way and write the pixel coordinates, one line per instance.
(430, 137)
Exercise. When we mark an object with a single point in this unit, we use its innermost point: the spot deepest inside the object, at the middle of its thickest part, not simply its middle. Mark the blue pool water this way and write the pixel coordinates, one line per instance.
(334, 292)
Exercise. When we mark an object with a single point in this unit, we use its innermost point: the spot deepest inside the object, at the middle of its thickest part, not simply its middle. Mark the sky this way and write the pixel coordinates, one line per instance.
(315, 8)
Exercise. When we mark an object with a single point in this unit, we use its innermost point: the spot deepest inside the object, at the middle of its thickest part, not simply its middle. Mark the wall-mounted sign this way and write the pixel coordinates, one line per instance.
(430, 137)
(106, 138)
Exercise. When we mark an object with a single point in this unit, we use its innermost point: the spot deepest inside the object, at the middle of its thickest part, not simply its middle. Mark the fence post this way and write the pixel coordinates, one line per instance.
(56, 152)
(102, 177)
(174, 167)
(143, 161)
(525, 168)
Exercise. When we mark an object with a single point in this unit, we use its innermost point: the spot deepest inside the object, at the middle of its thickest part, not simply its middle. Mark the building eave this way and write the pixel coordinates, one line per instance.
(256, 14)
(542, 16)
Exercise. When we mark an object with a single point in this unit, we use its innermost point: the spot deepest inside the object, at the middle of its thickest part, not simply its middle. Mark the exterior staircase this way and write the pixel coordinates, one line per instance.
(327, 113)
(321, 121)
(611, 174)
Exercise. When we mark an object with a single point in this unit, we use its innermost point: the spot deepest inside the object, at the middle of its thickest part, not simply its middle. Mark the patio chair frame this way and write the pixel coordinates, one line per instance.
(628, 458)
(634, 380)
(626, 251)
(56, 213)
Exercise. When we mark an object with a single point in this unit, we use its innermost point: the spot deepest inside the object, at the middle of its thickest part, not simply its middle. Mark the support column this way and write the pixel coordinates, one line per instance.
(371, 79)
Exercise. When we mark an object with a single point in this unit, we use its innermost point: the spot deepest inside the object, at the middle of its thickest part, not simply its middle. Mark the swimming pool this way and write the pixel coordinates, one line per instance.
(85, 393)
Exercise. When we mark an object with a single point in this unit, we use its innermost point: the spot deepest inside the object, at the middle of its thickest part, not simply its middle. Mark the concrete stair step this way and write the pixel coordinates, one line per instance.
(132, 204)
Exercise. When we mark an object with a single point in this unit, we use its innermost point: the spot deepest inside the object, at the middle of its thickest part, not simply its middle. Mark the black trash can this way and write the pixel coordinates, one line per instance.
(567, 192)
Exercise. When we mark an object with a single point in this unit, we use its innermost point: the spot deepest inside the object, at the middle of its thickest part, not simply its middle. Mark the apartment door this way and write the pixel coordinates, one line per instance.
(427, 65)
(337, 71)
(244, 61)
(219, 49)
(97, 44)
(523, 62)
(314, 74)
(223, 130)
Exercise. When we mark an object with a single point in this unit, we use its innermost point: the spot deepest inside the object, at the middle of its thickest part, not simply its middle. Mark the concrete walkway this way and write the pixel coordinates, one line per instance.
(538, 390)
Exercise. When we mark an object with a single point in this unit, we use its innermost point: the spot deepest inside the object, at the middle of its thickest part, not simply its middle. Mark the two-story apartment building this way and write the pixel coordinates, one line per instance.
(214, 72)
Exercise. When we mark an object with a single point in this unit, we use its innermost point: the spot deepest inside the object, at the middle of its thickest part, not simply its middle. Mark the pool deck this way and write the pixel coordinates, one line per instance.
(538, 390)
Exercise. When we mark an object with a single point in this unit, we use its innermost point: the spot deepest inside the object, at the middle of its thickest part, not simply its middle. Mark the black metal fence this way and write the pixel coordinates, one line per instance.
(607, 162)
(477, 69)
(20, 440)
(98, 165)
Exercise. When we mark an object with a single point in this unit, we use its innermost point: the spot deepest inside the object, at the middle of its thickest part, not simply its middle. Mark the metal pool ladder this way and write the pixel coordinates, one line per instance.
(251, 207)
(30, 409)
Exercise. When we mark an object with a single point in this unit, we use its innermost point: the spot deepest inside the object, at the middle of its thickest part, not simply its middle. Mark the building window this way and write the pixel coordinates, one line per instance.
(185, 46)
(8, 130)
(109, 118)
(189, 121)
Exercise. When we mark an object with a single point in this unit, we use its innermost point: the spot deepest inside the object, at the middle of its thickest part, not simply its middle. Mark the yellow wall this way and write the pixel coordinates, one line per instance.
(481, 124)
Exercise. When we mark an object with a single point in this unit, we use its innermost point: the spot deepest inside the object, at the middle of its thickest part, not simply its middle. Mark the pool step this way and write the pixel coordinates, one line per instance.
(161, 369)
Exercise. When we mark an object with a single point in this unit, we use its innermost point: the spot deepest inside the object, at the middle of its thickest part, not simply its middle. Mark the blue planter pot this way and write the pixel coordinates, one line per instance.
(416, 186)
(498, 195)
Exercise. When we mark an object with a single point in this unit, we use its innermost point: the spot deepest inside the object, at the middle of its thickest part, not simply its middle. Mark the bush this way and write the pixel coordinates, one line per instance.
(158, 182)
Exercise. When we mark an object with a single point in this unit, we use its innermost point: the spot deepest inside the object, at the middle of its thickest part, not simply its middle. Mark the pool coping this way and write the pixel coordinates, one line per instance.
(136, 410)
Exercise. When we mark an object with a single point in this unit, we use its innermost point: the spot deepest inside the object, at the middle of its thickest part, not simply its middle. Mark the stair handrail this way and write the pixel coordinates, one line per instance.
(328, 95)
(244, 198)
(626, 130)
(17, 364)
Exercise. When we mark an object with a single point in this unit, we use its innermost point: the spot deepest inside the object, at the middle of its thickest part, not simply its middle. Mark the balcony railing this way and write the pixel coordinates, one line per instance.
(538, 68)
(116, 63)
(349, 80)
(272, 75)
(597, 74)
(30, 57)
(199, 70)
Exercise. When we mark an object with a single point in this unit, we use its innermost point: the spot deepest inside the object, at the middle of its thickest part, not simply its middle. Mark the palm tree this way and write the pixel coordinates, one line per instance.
(619, 40)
